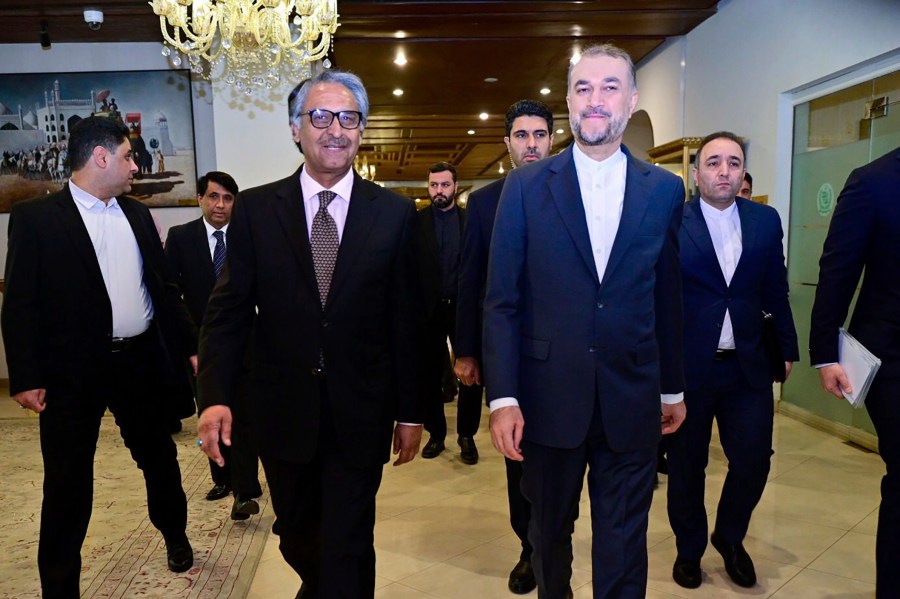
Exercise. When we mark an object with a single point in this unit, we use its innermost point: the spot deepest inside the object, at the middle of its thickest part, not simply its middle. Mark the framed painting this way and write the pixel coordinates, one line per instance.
(38, 110)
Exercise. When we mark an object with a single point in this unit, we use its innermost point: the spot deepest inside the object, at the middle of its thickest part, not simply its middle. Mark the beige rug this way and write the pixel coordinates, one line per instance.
(124, 557)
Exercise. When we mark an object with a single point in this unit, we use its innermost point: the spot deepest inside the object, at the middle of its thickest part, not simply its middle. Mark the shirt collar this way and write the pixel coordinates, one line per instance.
(586, 164)
(311, 187)
(87, 200)
(714, 213)
(211, 229)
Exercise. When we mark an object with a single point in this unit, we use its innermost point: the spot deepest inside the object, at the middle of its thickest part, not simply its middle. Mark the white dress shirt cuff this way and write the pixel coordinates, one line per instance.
(817, 366)
(503, 402)
(409, 424)
(670, 398)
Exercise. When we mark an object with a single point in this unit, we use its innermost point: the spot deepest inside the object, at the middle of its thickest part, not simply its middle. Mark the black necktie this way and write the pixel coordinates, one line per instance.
(324, 242)
(219, 252)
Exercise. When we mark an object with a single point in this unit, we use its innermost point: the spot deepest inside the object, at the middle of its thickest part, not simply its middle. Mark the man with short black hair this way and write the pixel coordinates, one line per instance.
(746, 190)
(440, 233)
(91, 321)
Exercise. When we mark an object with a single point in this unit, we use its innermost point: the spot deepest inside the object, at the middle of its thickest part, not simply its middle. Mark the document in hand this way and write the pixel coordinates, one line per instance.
(860, 366)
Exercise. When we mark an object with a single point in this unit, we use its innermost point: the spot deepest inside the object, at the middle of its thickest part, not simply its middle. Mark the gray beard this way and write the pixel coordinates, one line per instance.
(614, 131)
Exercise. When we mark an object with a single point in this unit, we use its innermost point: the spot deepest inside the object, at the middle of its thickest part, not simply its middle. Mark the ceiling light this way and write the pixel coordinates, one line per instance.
(400, 35)
(250, 40)
(545, 91)
(401, 59)
(471, 131)
(559, 131)
(398, 92)
(500, 170)
(483, 116)
(490, 80)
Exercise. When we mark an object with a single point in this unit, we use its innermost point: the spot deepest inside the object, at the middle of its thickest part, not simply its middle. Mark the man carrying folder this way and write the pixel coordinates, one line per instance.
(864, 234)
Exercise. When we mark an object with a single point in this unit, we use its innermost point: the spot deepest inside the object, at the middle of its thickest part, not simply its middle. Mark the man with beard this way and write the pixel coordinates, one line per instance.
(440, 232)
(529, 137)
(582, 332)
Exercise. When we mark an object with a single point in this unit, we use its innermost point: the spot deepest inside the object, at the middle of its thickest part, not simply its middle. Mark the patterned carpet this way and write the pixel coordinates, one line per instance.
(124, 557)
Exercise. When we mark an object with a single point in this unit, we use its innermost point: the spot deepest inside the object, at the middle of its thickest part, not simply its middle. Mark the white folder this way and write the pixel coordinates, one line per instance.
(859, 364)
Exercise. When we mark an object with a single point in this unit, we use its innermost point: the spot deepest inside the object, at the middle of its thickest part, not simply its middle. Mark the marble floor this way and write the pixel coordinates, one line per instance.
(442, 529)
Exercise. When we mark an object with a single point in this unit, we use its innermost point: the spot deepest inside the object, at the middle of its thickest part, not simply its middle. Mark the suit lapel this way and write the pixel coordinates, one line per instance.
(694, 225)
(749, 231)
(567, 196)
(73, 224)
(637, 199)
(292, 216)
(361, 217)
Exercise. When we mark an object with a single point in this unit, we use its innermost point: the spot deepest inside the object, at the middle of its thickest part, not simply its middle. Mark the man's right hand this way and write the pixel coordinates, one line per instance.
(214, 424)
(834, 379)
(467, 371)
(33, 399)
(507, 425)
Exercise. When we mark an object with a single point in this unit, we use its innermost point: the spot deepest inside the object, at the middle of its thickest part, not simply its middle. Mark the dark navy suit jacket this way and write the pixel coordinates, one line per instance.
(558, 339)
(759, 283)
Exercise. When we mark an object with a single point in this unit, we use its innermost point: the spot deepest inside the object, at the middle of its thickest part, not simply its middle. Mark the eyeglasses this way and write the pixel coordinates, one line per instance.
(322, 119)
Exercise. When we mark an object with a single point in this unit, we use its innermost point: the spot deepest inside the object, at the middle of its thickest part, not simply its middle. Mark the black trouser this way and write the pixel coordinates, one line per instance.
(69, 430)
(241, 469)
(325, 516)
(442, 325)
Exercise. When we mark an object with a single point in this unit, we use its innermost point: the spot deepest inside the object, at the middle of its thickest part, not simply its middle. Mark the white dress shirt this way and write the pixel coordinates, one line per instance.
(725, 230)
(338, 206)
(211, 240)
(120, 260)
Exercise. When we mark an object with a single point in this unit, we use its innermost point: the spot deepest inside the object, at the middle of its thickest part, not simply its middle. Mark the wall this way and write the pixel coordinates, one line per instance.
(738, 62)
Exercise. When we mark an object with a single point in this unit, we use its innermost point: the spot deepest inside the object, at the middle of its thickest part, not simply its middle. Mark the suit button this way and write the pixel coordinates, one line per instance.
(592, 349)
(600, 305)
(325, 324)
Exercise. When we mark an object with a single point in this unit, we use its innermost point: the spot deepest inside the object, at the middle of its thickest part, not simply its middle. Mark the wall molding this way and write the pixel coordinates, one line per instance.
(838, 429)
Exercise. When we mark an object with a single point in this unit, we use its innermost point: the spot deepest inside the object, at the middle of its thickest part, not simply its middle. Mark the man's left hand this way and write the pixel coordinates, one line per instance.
(407, 439)
(193, 361)
(672, 416)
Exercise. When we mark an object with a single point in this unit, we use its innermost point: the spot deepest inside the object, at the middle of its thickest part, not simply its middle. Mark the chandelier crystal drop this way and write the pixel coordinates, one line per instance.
(248, 41)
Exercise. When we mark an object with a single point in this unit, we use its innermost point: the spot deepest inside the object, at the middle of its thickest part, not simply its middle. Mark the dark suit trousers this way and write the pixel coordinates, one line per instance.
(442, 325)
(882, 405)
(744, 416)
(241, 469)
(69, 431)
(325, 517)
(621, 489)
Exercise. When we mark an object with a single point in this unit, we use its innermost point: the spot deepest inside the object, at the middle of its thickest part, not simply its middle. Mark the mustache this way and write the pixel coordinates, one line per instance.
(335, 141)
(596, 111)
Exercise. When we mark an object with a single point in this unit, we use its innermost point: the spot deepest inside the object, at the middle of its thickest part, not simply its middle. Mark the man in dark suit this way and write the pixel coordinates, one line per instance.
(582, 332)
(732, 270)
(196, 253)
(328, 260)
(863, 236)
(529, 137)
(92, 321)
(440, 238)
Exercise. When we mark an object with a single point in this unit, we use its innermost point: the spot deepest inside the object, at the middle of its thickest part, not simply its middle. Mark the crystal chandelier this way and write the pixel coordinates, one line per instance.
(247, 42)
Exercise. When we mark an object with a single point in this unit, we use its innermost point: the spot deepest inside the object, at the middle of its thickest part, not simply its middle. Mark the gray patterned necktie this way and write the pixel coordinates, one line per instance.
(324, 243)
(219, 252)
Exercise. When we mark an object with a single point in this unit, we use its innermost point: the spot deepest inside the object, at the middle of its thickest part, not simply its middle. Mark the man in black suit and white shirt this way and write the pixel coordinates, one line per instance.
(92, 321)
(529, 137)
(196, 253)
(328, 259)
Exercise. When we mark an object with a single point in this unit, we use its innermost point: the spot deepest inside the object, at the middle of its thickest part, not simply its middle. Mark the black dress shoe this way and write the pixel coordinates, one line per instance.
(521, 579)
(218, 492)
(242, 508)
(305, 592)
(433, 448)
(686, 572)
(179, 555)
(469, 453)
(737, 562)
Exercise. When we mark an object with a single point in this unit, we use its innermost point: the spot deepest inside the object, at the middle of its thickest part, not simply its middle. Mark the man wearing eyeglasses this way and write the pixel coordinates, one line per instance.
(328, 261)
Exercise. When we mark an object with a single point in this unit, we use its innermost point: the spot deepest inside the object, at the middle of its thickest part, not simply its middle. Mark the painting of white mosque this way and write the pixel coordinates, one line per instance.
(37, 112)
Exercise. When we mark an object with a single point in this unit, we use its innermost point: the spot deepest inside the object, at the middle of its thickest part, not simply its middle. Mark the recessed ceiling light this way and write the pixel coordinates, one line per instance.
(398, 92)
(559, 131)
(471, 131)
(400, 35)
(483, 116)
(500, 170)
(490, 80)
(400, 60)
(545, 90)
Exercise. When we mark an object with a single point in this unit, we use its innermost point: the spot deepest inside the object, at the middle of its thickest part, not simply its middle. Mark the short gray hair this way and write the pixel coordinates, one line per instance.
(603, 50)
(354, 85)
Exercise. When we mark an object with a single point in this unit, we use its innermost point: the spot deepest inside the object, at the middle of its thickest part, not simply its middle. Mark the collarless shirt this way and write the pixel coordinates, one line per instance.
(602, 185)
(337, 208)
(120, 261)
(211, 240)
(725, 231)
(447, 234)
